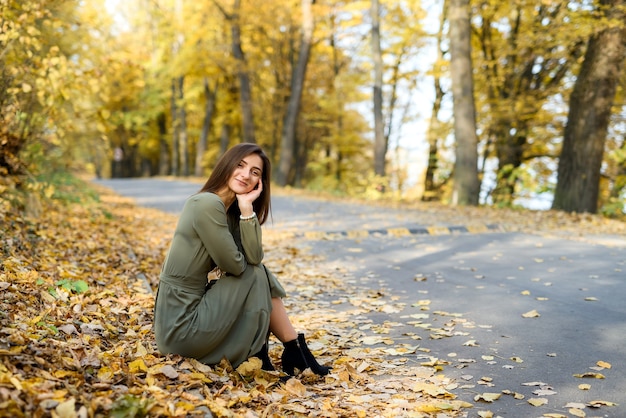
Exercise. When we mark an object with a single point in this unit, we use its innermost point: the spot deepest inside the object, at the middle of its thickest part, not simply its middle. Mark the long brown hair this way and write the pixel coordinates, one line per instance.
(225, 168)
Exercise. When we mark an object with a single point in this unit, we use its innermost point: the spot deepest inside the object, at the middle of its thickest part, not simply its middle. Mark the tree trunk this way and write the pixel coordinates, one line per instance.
(434, 127)
(175, 131)
(619, 181)
(380, 144)
(184, 137)
(466, 183)
(224, 139)
(209, 107)
(245, 90)
(164, 152)
(585, 133)
(287, 150)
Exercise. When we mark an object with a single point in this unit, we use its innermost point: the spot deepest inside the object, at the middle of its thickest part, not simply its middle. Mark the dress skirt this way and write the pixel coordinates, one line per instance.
(230, 320)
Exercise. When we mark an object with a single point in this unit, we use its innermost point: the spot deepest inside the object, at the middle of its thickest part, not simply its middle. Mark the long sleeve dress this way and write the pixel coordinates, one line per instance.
(231, 319)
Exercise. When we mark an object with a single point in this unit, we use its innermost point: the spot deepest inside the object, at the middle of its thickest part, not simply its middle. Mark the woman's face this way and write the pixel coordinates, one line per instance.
(247, 174)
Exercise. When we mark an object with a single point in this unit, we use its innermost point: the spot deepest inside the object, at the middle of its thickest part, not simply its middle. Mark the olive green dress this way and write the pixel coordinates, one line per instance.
(231, 319)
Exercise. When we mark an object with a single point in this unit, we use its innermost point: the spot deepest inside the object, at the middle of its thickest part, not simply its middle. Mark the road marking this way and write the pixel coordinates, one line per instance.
(434, 230)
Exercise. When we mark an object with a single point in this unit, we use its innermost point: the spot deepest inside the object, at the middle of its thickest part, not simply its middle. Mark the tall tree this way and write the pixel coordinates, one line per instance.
(585, 133)
(183, 141)
(466, 182)
(210, 95)
(288, 137)
(380, 143)
(245, 89)
(434, 132)
(526, 50)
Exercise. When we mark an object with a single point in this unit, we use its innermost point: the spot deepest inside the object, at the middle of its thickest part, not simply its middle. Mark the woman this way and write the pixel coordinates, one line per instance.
(220, 229)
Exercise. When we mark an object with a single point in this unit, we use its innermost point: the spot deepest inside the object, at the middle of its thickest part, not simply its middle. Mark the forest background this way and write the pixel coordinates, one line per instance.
(508, 100)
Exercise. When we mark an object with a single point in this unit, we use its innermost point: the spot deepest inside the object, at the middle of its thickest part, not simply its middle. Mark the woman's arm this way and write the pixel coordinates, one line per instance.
(211, 225)
(252, 240)
(249, 226)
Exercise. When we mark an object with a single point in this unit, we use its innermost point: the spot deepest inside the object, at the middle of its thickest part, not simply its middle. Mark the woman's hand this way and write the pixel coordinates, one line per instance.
(245, 200)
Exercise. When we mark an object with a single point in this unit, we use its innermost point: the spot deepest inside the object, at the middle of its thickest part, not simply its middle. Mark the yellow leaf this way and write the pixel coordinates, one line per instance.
(66, 409)
(598, 403)
(105, 374)
(137, 366)
(250, 366)
(584, 386)
(590, 374)
(537, 401)
(531, 314)
(603, 364)
(577, 412)
(485, 414)
(431, 389)
(487, 397)
(14, 380)
(62, 374)
(166, 370)
(295, 387)
(26, 88)
(141, 350)
(517, 359)
(525, 292)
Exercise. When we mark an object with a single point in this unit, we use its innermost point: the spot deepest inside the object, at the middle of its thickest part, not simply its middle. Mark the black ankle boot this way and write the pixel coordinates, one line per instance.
(264, 355)
(298, 356)
(311, 361)
(293, 358)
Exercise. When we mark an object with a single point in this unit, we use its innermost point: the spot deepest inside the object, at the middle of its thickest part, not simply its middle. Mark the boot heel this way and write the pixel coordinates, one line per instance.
(310, 359)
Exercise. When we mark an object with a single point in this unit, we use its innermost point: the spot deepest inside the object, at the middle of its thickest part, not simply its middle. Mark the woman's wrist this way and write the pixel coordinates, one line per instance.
(247, 217)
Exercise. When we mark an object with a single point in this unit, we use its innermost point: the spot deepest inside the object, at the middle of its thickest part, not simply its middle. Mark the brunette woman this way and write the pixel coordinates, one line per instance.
(219, 230)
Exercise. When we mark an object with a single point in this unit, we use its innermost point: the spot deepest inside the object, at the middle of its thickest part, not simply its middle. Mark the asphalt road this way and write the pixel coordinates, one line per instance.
(479, 286)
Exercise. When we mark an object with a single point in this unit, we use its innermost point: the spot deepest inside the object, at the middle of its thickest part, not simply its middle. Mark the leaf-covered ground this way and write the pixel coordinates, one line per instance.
(76, 338)
(76, 285)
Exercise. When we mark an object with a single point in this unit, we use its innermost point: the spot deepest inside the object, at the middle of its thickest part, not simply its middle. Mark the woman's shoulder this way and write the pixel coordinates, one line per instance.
(206, 199)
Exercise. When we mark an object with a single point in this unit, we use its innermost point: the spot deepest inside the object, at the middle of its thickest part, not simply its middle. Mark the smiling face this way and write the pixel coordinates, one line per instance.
(247, 174)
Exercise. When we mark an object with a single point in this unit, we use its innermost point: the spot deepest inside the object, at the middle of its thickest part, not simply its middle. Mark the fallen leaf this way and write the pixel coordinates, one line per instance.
(577, 412)
(295, 387)
(487, 397)
(590, 375)
(575, 405)
(537, 401)
(534, 384)
(544, 392)
(598, 403)
(66, 409)
(531, 314)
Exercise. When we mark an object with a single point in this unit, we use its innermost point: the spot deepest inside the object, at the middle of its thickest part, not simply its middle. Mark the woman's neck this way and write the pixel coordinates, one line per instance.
(227, 196)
